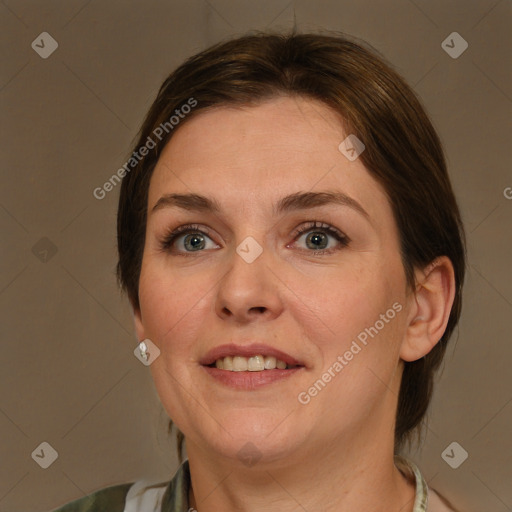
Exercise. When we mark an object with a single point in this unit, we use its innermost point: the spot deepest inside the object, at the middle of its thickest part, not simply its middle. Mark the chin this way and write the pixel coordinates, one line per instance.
(249, 437)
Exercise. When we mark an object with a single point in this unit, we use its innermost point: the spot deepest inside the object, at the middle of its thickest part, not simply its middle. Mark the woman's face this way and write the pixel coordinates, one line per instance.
(334, 301)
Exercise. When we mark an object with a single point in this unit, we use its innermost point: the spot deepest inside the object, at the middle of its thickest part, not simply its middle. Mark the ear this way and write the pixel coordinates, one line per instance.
(139, 327)
(429, 309)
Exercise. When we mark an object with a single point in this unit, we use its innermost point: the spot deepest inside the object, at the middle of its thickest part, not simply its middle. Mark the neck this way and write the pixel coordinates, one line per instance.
(359, 476)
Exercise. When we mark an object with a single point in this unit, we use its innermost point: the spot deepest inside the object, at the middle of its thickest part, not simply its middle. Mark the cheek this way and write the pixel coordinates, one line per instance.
(171, 305)
(335, 308)
(173, 308)
(361, 329)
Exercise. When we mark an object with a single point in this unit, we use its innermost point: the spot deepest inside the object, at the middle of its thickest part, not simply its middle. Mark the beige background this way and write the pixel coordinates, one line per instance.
(68, 374)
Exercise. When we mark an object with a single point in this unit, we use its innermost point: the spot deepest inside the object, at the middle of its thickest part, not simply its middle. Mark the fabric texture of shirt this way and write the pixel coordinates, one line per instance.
(145, 496)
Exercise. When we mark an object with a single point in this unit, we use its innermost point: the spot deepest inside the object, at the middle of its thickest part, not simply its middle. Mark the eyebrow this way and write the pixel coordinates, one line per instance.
(292, 202)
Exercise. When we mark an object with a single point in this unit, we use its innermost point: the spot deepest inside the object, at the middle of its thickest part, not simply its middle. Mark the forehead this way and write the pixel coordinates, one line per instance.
(261, 153)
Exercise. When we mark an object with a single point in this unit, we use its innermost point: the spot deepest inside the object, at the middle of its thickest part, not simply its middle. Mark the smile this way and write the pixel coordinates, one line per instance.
(255, 363)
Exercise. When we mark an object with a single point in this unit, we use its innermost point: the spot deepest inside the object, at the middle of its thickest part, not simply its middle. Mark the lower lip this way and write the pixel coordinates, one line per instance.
(250, 380)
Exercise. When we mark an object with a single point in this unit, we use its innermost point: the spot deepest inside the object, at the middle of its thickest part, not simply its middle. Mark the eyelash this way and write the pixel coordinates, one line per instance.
(343, 239)
(168, 239)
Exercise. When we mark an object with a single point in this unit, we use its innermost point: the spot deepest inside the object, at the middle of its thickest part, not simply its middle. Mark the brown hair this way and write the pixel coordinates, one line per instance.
(403, 153)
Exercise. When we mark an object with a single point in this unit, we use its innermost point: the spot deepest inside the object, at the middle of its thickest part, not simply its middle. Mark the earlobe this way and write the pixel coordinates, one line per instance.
(433, 300)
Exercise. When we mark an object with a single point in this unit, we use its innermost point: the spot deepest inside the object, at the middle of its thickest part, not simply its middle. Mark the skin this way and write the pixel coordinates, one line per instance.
(336, 452)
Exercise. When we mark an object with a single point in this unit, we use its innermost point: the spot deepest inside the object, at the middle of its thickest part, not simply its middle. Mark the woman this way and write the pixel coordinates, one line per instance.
(290, 242)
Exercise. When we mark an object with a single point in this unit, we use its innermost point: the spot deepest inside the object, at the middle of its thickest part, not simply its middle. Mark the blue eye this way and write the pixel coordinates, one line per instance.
(318, 240)
(195, 238)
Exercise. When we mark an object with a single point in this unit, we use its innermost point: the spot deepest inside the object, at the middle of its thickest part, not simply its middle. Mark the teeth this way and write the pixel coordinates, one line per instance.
(280, 364)
(270, 363)
(256, 363)
(240, 364)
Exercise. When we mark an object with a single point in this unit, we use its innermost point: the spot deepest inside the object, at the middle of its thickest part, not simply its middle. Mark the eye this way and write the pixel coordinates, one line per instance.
(194, 239)
(317, 238)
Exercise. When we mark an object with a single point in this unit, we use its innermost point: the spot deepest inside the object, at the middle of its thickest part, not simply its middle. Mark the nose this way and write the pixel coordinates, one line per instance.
(249, 289)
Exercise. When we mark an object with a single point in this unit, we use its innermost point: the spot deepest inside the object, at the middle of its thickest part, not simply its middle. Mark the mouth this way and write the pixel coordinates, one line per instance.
(250, 367)
(249, 358)
(256, 363)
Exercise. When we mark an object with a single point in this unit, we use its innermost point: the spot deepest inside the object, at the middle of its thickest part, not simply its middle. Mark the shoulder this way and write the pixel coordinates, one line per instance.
(144, 495)
(112, 499)
(438, 503)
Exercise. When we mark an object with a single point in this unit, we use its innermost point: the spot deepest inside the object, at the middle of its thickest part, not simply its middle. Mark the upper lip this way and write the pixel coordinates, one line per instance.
(247, 351)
